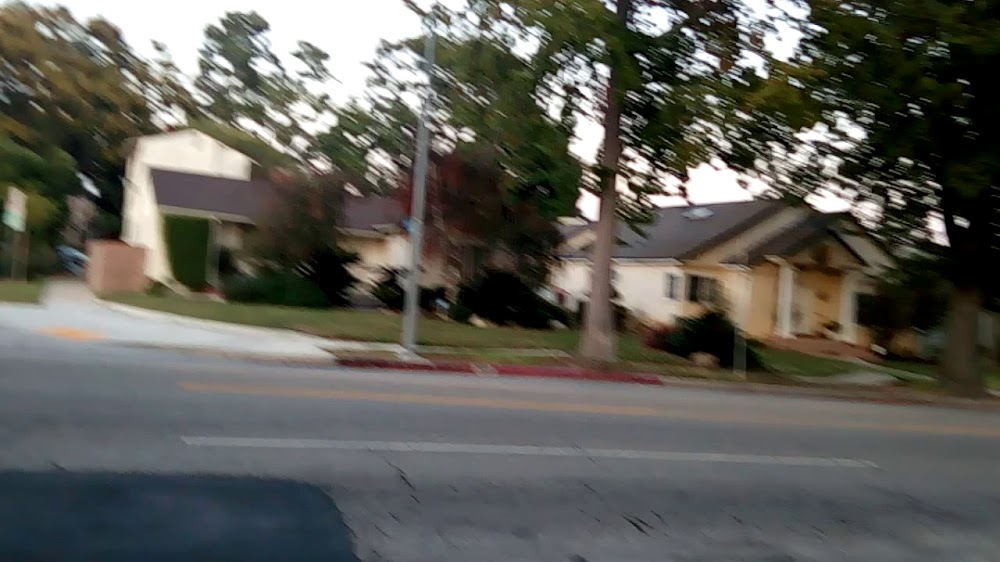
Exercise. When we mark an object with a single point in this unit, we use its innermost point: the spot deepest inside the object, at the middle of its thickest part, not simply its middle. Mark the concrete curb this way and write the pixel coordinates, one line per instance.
(214, 325)
(329, 360)
(491, 369)
(893, 397)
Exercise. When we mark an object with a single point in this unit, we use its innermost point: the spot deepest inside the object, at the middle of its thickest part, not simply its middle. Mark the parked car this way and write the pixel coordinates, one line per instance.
(72, 260)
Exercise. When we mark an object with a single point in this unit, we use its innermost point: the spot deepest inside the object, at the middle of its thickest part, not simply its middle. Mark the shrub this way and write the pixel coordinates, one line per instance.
(328, 270)
(504, 298)
(187, 249)
(429, 296)
(391, 294)
(711, 333)
(388, 291)
(104, 226)
(227, 263)
(460, 313)
(281, 288)
(42, 262)
(659, 337)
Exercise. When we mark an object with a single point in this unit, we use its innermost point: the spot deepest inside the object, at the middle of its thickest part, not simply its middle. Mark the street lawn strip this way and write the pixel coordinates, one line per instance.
(20, 291)
(991, 370)
(384, 327)
(498, 344)
(805, 365)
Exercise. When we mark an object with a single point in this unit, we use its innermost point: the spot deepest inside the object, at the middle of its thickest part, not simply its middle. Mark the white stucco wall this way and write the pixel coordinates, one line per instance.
(375, 254)
(184, 151)
(392, 251)
(641, 286)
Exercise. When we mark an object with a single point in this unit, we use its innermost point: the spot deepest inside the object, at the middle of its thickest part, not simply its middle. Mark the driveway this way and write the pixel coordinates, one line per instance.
(70, 311)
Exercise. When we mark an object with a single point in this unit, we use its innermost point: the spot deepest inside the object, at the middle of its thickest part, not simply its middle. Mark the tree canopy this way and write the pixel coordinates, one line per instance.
(72, 86)
(893, 105)
(656, 74)
(243, 83)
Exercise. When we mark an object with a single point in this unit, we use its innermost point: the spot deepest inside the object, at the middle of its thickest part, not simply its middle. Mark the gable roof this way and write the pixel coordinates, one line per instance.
(248, 199)
(798, 237)
(675, 235)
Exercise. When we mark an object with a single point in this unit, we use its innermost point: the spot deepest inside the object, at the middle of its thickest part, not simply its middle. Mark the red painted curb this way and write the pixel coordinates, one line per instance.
(468, 368)
(575, 373)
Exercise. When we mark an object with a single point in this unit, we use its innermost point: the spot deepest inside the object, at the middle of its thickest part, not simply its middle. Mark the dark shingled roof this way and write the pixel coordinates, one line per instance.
(211, 194)
(248, 199)
(674, 235)
(367, 213)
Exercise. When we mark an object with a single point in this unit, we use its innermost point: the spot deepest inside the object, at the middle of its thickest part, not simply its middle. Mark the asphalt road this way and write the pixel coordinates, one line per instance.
(123, 454)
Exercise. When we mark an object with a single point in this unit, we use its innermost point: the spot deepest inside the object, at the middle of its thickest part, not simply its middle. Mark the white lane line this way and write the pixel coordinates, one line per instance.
(521, 450)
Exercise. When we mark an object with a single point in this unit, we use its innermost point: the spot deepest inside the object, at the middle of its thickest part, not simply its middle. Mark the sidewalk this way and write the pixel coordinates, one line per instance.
(70, 311)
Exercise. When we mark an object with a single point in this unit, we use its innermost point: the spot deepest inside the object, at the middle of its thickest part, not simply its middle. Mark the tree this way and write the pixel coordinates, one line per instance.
(913, 294)
(904, 106)
(373, 141)
(298, 234)
(73, 86)
(472, 214)
(47, 179)
(303, 218)
(484, 94)
(243, 83)
(663, 67)
(258, 149)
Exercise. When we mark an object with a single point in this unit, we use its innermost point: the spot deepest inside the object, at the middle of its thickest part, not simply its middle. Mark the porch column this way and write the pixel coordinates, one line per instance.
(677, 304)
(848, 308)
(786, 293)
(746, 302)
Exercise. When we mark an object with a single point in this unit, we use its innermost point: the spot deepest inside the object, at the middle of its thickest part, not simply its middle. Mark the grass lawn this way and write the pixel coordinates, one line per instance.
(930, 369)
(801, 364)
(483, 344)
(20, 291)
(376, 326)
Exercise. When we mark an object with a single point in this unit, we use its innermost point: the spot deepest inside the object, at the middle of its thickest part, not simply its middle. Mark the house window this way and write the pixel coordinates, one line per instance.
(673, 286)
(701, 289)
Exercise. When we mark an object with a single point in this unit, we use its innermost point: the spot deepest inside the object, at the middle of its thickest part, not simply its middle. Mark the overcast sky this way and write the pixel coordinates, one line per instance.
(349, 30)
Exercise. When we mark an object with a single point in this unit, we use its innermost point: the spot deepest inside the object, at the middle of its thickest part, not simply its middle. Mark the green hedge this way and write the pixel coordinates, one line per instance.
(187, 249)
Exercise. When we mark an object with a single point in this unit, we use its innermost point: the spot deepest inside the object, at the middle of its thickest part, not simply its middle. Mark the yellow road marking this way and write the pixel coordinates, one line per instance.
(72, 334)
(429, 399)
(577, 408)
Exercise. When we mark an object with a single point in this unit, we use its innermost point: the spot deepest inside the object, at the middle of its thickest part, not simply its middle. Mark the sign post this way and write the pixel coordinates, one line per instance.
(15, 211)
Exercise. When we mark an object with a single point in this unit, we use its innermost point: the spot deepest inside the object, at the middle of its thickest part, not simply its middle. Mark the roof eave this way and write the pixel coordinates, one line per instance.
(202, 213)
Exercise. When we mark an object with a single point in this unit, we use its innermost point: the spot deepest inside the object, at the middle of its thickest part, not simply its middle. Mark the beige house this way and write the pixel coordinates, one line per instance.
(188, 173)
(780, 271)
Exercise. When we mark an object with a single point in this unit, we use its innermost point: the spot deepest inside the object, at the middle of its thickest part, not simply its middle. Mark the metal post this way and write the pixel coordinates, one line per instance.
(740, 343)
(416, 223)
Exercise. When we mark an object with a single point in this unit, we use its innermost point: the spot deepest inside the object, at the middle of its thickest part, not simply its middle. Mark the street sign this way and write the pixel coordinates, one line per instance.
(15, 209)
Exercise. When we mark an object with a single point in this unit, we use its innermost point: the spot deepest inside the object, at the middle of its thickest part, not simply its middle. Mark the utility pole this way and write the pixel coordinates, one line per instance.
(416, 222)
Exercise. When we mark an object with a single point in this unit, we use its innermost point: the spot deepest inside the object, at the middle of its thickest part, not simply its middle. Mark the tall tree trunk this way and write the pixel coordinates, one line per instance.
(960, 359)
(598, 343)
(995, 333)
(959, 362)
